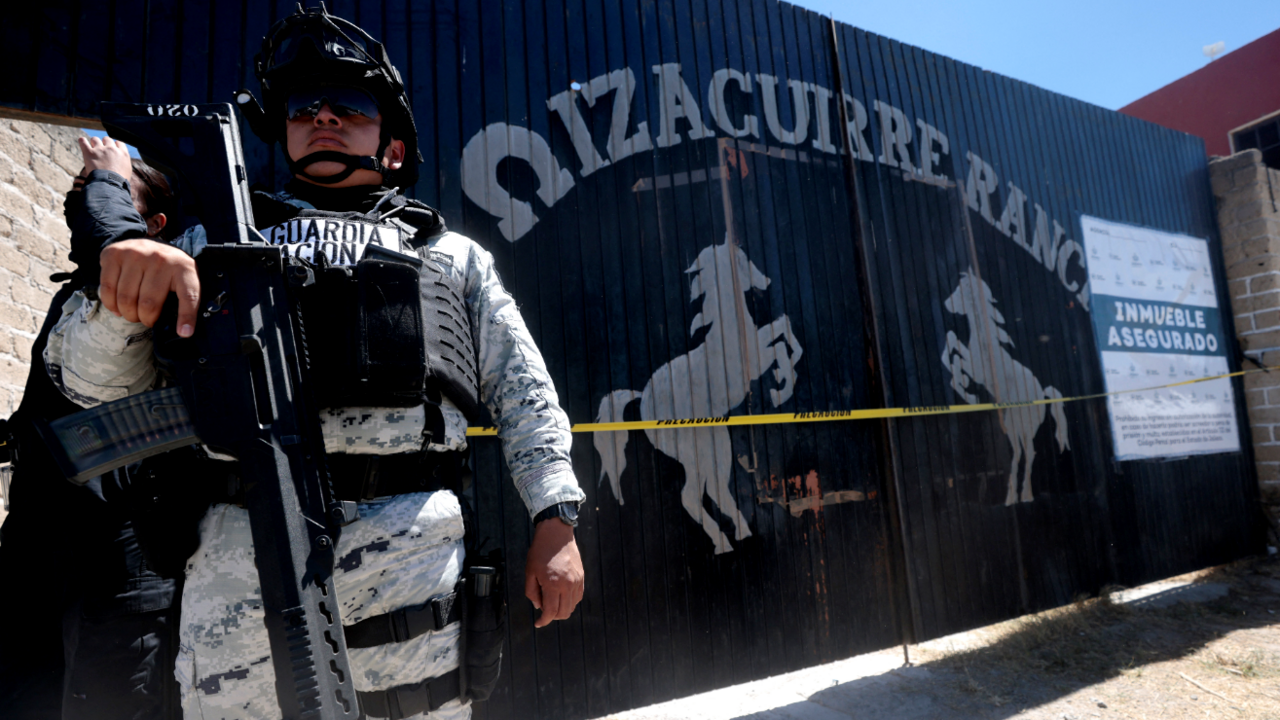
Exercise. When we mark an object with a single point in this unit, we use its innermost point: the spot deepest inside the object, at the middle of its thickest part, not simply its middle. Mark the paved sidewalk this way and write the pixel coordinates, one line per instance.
(874, 685)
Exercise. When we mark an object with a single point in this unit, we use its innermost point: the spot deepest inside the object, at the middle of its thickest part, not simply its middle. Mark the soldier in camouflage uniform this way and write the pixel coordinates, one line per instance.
(343, 142)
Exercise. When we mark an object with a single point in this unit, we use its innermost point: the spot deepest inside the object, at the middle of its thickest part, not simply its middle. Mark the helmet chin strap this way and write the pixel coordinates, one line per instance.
(352, 163)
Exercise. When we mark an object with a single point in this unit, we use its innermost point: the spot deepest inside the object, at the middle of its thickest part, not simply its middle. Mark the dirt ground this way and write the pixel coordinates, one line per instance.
(1098, 658)
(1216, 656)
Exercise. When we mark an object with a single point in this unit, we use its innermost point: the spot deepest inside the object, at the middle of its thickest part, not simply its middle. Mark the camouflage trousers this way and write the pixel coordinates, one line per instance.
(402, 551)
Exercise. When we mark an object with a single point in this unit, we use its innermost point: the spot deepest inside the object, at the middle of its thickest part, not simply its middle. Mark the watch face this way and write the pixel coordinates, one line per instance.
(569, 513)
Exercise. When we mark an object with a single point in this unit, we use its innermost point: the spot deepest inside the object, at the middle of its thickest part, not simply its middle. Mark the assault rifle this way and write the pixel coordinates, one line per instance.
(238, 388)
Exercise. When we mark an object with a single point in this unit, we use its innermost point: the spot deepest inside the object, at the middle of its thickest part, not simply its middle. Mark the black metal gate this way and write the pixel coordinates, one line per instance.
(1091, 520)
(715, 207)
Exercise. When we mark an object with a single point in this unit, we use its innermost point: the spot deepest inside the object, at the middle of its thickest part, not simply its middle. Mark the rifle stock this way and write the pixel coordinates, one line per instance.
(238, 386)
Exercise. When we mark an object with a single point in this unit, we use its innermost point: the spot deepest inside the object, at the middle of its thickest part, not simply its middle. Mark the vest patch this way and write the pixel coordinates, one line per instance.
(444, 259)
(342, 241)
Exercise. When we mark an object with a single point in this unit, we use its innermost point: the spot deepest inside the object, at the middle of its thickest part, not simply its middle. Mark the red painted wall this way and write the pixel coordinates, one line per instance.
(1236, 89)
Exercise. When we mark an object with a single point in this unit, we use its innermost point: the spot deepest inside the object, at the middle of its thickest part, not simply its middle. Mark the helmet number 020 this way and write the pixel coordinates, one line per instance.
(172, 110)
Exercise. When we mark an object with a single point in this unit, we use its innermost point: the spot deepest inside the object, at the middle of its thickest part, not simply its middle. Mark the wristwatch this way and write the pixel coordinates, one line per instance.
(567, 512)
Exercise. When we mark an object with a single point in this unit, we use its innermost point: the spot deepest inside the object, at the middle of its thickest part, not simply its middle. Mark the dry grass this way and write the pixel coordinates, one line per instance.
(1250, 663)
(1222, 654)
(1073, 641)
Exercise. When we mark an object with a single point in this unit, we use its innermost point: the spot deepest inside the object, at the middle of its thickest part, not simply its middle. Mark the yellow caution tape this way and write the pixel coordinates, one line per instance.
(834, 415)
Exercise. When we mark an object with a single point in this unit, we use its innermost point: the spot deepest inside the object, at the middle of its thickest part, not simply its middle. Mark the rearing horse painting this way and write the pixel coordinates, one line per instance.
(985, 361)
(710, 380)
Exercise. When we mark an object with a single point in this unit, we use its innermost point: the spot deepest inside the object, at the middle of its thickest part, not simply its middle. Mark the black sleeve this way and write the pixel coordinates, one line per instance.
(268, 211)
(109, 217)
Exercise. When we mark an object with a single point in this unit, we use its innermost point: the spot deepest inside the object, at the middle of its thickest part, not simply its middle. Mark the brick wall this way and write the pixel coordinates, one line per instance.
(37, 162)
(1248, 198)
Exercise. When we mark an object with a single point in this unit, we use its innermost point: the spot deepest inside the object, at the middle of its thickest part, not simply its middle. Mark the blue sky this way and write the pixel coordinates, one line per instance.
(102, 133)
(1107, 52)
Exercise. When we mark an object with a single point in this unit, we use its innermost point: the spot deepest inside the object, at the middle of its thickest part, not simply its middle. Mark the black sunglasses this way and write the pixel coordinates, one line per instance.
(344, 102)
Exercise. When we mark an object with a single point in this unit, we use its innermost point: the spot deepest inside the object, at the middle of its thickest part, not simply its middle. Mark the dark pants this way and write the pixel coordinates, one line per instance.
(87, 631)
(30, 621)
(120, 668)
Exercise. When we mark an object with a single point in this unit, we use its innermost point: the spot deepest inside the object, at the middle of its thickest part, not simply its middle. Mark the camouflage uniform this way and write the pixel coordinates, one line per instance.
(404, 550)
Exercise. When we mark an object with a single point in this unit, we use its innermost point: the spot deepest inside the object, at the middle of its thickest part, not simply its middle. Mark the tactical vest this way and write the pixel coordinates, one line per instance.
(383, 328)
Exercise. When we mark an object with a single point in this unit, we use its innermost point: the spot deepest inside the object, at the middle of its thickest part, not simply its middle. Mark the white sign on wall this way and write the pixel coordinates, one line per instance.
(1156, 319)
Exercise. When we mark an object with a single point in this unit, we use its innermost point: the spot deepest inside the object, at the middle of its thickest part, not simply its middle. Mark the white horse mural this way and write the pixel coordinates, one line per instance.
(985, 361)
(708, 381)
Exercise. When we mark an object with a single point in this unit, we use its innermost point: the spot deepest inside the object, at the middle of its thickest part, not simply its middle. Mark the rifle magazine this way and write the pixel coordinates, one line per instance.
(111, 435)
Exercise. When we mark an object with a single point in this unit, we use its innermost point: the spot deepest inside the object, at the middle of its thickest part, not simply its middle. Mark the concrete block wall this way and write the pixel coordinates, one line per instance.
(37, 163)
(1248, 201)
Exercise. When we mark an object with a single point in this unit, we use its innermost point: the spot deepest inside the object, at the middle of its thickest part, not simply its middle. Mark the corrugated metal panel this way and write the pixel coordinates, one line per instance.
(1092, 521)
(660, 243)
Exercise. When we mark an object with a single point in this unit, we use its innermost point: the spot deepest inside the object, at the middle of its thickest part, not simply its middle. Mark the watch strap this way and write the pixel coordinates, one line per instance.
(556, 511)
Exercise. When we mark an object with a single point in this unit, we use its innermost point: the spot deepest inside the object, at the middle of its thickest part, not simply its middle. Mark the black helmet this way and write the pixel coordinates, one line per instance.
(313, 48)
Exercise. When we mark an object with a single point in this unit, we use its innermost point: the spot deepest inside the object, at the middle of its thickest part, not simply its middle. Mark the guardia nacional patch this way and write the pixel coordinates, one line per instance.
(341, 240)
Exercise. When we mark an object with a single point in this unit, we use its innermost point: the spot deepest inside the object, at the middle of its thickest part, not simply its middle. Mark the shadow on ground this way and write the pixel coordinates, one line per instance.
(1037, 660)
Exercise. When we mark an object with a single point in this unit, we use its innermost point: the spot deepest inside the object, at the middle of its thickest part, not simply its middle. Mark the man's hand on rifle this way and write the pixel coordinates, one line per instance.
(137, 277)
(553, 577)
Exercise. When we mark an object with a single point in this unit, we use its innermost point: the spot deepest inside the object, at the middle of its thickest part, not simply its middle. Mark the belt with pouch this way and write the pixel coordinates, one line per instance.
(360, 478)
